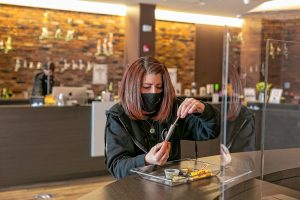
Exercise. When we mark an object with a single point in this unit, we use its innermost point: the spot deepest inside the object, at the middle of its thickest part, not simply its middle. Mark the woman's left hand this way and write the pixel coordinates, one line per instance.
(225, 155)
(189, 106)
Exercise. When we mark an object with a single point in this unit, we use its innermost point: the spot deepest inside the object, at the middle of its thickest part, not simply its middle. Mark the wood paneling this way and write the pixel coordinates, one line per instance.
(175, 47)
(209, 54)
(46, 144)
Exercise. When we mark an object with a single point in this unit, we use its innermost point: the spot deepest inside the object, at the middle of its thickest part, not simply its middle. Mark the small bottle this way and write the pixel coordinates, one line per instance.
(110, 87)
(216, 87)
(215, 94)
(286, 92)
(110, 90)
(194, 89)
(5, 94)
(60, 100)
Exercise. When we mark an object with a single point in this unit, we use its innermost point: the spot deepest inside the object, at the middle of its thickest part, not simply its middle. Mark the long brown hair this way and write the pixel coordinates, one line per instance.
(130, 90)
(234, 98)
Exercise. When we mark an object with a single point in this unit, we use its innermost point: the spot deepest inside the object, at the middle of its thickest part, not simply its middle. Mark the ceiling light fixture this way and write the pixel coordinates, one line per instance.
(120, 10)
(197, 18)
(277, 5)
(246, 1)
(72, 5)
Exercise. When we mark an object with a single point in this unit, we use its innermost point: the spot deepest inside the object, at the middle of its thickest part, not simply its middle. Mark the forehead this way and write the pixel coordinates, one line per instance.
(152, 78)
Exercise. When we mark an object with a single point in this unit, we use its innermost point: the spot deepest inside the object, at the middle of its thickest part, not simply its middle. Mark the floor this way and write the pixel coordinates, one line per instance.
(66, 190)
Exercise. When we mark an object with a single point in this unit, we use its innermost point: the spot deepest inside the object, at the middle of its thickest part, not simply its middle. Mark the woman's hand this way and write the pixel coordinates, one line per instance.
(225, 155)
(159, 154)
(189, 106)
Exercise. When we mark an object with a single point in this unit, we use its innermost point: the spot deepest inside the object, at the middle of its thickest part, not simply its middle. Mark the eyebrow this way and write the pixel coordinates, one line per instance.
(152, 84)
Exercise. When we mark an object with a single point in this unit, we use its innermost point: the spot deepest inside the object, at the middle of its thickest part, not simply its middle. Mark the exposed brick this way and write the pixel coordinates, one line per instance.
(24, 25)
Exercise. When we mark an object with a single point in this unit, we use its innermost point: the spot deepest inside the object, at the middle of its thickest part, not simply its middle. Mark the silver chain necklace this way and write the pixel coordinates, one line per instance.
(152, 129)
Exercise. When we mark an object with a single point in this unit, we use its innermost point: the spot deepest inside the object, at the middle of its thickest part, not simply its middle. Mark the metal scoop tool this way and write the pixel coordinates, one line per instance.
(171, 130)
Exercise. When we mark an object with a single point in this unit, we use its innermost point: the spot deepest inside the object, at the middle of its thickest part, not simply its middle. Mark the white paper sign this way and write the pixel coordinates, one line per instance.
(249, 94)
(100, 74)
(275, 95)
(173, 75)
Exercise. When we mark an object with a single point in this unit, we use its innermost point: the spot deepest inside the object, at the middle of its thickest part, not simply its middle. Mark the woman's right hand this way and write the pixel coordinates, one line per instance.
(159, 154)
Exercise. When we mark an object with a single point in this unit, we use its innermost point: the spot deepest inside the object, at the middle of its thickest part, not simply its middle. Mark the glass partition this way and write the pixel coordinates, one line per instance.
(240, 152)
(260, 111)
(281, 112)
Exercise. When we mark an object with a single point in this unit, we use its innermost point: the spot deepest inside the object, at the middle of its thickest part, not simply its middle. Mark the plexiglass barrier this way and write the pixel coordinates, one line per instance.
(260, 111)
(281, 111)
(240, 153)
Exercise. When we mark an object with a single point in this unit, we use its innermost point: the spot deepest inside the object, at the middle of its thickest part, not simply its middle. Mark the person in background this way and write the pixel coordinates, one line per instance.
(137, 125)
(240, 120)
(240, 133)
(44, 81)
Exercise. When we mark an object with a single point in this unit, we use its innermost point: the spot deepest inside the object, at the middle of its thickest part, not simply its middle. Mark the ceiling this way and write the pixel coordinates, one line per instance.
(228, 8)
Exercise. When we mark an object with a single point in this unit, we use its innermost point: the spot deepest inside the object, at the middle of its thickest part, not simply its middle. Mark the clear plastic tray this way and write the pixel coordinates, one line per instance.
(156, 173)
(227, 174)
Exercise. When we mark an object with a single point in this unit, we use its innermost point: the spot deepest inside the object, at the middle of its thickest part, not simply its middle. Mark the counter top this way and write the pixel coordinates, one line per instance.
(245, 187)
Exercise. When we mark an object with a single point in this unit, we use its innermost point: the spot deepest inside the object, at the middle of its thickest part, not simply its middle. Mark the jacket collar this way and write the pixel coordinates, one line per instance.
(130, 126)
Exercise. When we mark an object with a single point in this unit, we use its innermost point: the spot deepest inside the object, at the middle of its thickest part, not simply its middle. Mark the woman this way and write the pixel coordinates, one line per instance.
(240, 120)
(44, 81)
(136, 126)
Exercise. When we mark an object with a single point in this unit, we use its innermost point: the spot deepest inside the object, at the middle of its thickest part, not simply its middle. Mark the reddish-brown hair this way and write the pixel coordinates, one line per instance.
(130, 90)
(234, 99)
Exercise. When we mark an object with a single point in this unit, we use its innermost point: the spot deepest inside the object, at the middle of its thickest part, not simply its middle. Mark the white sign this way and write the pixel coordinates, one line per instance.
(98, 127)
(173, 75)
(249, 94)
(275, 95)
(147, 28)
(100, 74)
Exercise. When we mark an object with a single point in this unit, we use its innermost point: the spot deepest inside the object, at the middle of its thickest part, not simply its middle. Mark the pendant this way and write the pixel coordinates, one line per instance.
(152, 130)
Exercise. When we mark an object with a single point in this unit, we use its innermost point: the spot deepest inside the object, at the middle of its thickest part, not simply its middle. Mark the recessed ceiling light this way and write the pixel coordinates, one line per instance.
(246, 1)
(72, 5)
(277, 5)
(197, 18)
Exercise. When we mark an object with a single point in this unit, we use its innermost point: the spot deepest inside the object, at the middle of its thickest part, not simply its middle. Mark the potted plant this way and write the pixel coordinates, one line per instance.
(260, 87)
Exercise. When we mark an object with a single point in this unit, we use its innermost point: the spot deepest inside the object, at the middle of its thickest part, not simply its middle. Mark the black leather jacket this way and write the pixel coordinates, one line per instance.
(241, 134)
(126, 143)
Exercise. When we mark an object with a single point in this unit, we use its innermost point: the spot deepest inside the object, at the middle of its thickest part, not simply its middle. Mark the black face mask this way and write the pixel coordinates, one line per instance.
(151, 101)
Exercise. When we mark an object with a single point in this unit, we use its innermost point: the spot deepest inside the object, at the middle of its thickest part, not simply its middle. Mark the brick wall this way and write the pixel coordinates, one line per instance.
(175, 47)
(283, 56)
(24, 25)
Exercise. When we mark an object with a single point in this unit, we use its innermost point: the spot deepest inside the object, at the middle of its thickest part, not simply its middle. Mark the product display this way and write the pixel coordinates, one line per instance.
(178, 172)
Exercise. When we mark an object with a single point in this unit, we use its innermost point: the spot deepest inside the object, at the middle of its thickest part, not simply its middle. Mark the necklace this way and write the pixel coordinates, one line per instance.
(152, 129)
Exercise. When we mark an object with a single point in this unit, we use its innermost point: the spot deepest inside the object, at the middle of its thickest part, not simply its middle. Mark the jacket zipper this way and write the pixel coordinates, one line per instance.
(132, 137)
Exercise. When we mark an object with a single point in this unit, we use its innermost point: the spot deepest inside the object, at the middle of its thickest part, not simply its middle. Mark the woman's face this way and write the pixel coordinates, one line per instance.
(152, 83)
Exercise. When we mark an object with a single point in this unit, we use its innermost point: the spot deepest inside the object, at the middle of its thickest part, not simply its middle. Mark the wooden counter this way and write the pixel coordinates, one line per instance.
(54, 143)
(46, 144)
(244, 187)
